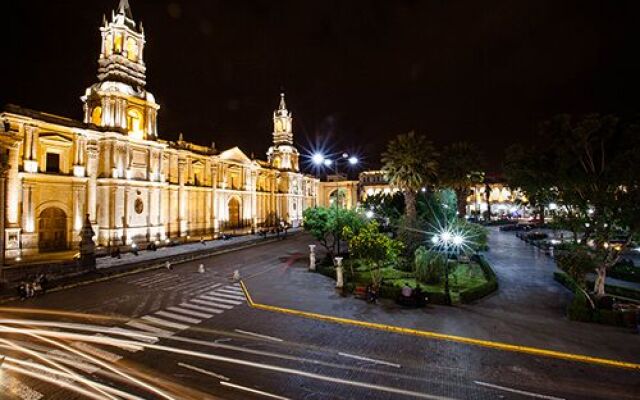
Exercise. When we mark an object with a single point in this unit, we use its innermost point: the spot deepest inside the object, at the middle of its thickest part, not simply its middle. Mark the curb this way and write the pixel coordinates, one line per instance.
(153, 264)
(443, 336)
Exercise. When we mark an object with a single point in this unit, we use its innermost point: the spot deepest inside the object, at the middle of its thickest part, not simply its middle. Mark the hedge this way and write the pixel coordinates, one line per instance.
(579, 309)
(477, 292)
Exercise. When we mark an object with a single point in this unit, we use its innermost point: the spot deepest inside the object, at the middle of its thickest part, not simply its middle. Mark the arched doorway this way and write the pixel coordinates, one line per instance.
(52, 230)
(234, 213)
(338, 198)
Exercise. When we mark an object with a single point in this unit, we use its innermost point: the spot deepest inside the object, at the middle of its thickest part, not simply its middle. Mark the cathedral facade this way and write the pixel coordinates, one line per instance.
(135, 187)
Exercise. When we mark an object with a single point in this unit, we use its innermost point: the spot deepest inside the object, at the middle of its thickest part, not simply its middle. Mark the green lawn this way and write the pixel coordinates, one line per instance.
(461, 277)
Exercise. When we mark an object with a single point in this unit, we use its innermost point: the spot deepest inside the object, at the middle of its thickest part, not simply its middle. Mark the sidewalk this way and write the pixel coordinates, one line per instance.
(108, 267)
(528, 308)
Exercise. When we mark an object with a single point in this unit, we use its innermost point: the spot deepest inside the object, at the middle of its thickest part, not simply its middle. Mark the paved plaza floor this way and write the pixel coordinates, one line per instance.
(528, 308)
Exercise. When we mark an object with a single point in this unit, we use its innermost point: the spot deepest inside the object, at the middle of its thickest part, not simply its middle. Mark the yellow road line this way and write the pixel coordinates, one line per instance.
(443, 336)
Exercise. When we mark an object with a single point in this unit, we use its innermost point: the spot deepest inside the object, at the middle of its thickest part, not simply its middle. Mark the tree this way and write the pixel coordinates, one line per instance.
(374, 248)
(410, 163)
(461, 164)
(596, 173)
(327, 225)
(531, 170)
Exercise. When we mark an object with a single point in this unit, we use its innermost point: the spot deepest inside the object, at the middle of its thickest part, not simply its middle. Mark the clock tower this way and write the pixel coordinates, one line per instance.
(283, 155)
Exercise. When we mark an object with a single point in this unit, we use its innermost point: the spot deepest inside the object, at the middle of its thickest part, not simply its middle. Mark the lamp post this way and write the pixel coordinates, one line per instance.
(450, 242)
(320, 160)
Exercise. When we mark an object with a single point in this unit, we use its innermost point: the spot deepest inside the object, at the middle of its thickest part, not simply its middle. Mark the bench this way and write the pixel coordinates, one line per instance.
(360, 292)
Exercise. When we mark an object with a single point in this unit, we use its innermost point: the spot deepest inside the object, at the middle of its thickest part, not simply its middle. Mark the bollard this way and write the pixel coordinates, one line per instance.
(167, 265)
(312, 257)
(339, 277)
(201, 269)
(236, 276)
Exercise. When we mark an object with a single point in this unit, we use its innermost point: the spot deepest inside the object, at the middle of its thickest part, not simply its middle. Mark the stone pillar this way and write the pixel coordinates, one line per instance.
(13, 187)
(28, 223)
(312, 257)
(182, 204)
(3, 170)
(92, 172)
(339, 274)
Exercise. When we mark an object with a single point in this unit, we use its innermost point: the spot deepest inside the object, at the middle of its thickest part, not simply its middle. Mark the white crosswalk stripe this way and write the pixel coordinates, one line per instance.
(73, 361)
(130, 349)
(200, 308)
(189, 312)
(96, 352)
(178, 317)
(153, 329)
(133, 335)
(231, 292)
(162, 322)
(220, 299)
(234, 288)
(227, 296)
(212, 304)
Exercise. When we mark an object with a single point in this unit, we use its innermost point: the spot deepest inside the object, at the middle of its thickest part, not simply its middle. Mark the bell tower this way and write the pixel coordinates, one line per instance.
(283, 155)
(119, 100)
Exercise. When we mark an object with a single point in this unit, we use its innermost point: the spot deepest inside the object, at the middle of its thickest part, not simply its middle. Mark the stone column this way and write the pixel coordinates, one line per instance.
(92, 172)
(214, 187)
(312, 257)
(182, 204)
(28, 223)
(13, 187)
(339, 274)
(3, 170)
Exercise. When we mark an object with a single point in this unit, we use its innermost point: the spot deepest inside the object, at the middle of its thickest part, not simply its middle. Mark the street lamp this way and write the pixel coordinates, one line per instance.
(451, 242)
(317, 159)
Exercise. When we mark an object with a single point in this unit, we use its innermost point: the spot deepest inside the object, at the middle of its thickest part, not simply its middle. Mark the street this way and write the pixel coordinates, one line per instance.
(185, 335)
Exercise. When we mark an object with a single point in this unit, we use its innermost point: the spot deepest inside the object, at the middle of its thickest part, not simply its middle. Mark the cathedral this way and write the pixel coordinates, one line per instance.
(135, 186)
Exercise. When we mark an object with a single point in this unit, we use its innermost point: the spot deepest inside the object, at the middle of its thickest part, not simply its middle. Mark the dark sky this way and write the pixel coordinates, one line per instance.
(355, 72)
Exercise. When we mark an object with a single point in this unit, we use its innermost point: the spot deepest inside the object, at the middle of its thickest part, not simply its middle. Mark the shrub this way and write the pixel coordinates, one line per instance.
(579, 309)
(428, 266)
(576, 264)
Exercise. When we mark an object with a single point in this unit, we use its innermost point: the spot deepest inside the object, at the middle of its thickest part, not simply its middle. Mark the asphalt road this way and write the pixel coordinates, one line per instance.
(184, 335)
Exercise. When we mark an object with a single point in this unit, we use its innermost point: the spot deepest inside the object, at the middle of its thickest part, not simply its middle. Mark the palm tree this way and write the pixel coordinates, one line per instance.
(460, 168)
(410, 164)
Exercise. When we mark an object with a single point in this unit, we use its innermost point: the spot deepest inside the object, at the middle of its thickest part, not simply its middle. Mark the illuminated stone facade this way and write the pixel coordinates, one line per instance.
(135, 186)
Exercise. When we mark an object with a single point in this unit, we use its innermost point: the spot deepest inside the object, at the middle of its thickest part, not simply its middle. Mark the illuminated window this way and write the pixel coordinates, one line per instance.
(96, 116)
(132, 49)
(118, 43)
(134, 123)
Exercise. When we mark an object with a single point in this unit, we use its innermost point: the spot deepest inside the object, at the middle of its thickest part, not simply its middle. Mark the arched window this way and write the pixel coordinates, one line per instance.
(134, 123)
(117, 43)
(96, 116)
(132, 49)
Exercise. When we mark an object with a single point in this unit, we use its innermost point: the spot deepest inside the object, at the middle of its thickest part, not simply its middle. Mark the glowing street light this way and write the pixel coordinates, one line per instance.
(327, 162)
(318, 159)
(353, 160)
(369, 214)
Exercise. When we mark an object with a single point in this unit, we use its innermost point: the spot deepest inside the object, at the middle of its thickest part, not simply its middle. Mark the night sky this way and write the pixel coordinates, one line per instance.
(356, 73)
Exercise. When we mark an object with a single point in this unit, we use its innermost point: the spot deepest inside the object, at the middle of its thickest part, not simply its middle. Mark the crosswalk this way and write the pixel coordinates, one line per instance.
(209, 302)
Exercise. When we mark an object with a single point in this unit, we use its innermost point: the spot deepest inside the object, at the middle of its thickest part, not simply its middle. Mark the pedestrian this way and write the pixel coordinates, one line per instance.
(236, 276)
(168, 266)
